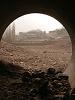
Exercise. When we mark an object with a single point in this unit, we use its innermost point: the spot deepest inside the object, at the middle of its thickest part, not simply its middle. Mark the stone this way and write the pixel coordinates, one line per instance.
(26, 77)
(51, 71)
(61, 76)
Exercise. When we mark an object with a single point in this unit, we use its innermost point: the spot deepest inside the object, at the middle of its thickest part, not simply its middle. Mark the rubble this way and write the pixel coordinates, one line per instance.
(38, 85)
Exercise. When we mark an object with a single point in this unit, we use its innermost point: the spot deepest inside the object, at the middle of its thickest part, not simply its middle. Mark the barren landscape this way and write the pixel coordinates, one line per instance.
(56, 54)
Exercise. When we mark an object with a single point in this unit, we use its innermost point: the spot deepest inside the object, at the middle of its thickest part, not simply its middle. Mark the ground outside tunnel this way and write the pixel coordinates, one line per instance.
(20, 83)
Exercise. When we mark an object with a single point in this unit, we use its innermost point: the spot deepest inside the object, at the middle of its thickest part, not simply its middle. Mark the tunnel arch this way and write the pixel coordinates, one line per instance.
(55, 13)
(50, 8)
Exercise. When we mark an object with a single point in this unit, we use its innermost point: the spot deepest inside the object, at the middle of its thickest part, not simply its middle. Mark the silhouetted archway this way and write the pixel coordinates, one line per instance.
(60, 10)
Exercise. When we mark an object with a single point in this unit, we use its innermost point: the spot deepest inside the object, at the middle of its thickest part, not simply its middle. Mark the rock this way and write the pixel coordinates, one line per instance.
(38, 74)
(61, 76)
(58, 97)
(37, 82)
(43, 89)
(26, 77)
(44, 51)
(39, 85)
(33, 92)
(51, 71)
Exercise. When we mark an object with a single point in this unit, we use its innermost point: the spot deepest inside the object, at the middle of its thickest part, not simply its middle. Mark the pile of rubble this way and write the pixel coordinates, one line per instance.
(50, 85)
(39, 85)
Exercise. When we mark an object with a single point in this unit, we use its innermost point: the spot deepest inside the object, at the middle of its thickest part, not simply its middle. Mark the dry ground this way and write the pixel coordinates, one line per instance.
(56, 55)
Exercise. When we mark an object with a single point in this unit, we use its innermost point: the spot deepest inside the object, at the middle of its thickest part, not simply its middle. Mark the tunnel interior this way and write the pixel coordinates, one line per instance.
(59, 10)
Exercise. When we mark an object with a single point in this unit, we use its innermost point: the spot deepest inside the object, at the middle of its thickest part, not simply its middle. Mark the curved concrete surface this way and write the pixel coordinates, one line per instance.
(62, 10)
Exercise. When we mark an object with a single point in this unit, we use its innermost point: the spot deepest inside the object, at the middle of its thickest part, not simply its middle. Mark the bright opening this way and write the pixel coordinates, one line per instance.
(36, 41)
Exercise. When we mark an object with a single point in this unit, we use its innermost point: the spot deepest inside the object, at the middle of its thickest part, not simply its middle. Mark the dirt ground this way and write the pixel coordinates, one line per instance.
(55, 55)
(46, 84)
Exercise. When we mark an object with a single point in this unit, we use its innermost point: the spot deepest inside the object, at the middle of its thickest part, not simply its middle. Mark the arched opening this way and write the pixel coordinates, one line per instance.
(39, 49)
(47, 39)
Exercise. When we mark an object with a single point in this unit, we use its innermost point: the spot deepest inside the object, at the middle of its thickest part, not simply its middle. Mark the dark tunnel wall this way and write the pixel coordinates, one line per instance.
(62, 10)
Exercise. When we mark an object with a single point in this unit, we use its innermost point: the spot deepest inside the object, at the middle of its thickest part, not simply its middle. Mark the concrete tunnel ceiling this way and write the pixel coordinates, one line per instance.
(60, 10)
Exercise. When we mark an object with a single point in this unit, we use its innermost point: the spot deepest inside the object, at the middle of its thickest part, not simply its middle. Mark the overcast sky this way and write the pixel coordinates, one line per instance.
(36, 21)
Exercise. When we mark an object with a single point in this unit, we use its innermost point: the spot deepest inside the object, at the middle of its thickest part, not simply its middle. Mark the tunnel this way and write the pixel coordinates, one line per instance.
(59, 9)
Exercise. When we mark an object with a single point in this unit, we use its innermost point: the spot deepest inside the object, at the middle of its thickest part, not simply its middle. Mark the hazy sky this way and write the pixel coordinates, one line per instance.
(36, 21)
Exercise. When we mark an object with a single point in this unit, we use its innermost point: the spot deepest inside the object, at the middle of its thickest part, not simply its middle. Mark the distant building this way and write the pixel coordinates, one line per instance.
(34, 35)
